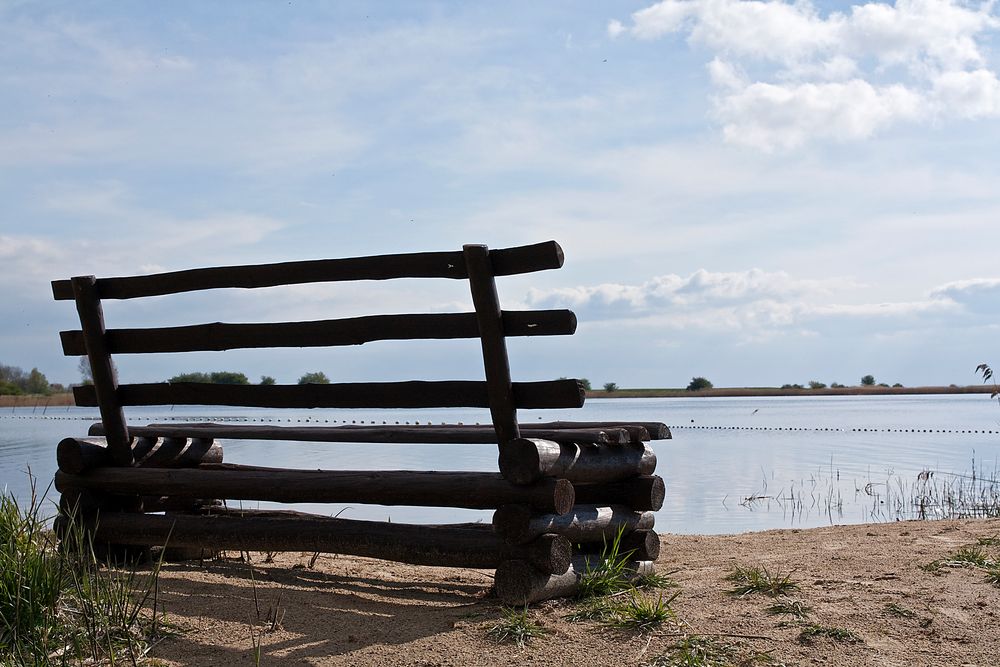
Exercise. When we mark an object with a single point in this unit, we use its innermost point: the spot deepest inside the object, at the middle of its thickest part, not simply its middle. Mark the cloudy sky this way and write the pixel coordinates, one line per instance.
(757, 192)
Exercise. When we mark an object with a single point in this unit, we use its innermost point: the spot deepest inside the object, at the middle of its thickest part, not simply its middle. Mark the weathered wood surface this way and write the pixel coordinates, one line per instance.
(102, 368)
(656, 430)
(445, 434)
(412, 394)
(77, 455)
(446, 546)
(637, 545)
(518, 583)
(86, 502)
(526, 460)
(640, 493)
(503, 407)
(584, 523)
(350, 331)
(234, 482)
(507, 261)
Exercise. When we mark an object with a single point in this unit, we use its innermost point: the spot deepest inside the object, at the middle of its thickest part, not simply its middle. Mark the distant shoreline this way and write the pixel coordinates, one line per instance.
(749, 392)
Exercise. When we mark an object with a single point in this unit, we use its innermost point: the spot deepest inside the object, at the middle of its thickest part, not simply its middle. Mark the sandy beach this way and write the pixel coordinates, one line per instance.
(874, 582)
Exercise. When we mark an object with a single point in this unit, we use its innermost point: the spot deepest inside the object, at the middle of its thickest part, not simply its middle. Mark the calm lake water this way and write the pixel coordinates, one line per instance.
(734, 464)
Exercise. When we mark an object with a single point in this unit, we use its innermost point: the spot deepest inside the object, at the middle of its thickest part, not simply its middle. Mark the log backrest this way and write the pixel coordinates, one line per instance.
(488, 322)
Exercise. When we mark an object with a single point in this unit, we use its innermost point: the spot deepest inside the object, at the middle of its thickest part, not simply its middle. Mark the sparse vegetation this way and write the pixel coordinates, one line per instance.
(795, 608)
(60, 606)
(696, 651)
(899, 611)
(515, 625)
(759, 580)
(612, 573)
(813, 631)
(642, 613)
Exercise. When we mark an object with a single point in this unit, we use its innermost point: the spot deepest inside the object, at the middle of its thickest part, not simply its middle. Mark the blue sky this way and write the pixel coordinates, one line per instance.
(760, 193)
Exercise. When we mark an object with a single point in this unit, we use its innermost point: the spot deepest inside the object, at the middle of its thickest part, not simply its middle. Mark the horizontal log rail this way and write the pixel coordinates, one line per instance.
(520, 524)
(412, 394)
(77, 455)
(235, 482)
(505, 262)
(518, 583)
(637, 545)
(445, 434)
(322, 333)
(525, 460)
(656, 430)
(639, 493)
(446, 546)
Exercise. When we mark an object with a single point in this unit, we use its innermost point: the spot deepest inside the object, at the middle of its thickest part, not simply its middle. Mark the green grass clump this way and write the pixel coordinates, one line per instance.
(972, 555)
(989, 541)
(812, 631)
(696, 651)
(758, 579)
(795, 608)
(894, 609)
(638, 612)
(31, 581)
(655, 580)
(516, 626)
(612, 573)
(993, 576)
(59, 605)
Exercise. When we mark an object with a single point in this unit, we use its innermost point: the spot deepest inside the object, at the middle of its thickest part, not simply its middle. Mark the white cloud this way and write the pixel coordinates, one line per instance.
(755, 304)
(843, 76)
(978, 295)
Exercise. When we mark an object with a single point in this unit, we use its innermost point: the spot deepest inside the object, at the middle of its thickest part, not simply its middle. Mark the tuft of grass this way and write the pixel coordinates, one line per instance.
(655, 580)
(993, 575)
(972, 555)
(593, 609)
(934, 567)
(795, 608)
(700, 651)
(989, 541)
(813, 631)
(638, 612)
(515, 626)
(60, 604)
(612, 573)
(894, 609)
(758, 579)
(696, 651)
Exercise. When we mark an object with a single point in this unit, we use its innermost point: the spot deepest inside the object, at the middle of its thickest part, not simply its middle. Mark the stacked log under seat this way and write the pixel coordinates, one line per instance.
(562, 488)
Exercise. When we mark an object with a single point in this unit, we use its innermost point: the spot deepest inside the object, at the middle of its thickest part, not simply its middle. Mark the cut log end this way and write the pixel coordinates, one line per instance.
(518, 583)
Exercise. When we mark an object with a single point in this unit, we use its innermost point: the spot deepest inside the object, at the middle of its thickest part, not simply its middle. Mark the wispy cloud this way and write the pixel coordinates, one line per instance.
(785, 75)
(756, 304)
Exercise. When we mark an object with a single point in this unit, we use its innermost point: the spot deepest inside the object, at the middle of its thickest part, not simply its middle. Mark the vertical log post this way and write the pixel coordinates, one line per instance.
(88, 305)
(491, 333)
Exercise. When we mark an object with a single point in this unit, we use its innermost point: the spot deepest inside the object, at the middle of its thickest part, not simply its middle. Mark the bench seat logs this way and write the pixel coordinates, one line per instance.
(562, 490)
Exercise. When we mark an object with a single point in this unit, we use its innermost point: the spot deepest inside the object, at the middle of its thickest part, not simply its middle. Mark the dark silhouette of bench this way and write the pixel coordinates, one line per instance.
(562, 488)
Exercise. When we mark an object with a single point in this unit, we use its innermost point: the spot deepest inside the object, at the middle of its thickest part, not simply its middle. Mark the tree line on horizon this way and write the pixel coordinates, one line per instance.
(15, 381)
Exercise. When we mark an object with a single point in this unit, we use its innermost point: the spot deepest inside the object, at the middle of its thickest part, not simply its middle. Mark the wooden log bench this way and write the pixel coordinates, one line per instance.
(562, 489)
